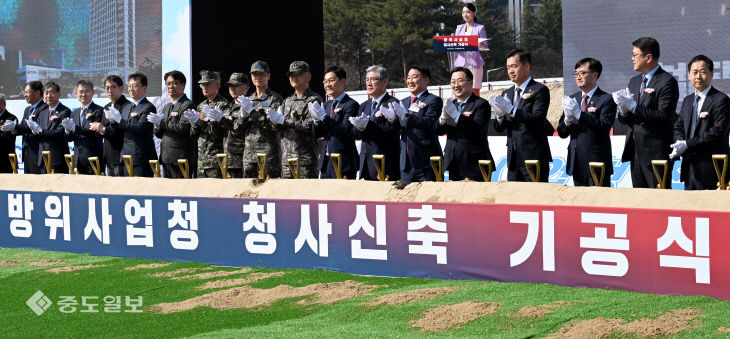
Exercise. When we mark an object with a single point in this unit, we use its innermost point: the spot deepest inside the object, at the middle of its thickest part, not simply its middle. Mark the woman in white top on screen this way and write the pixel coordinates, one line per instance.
(472, 60)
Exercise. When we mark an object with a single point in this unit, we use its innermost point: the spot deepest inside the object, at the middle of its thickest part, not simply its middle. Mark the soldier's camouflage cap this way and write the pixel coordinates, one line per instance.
(238, 79)
(298, 67)
(260, 66)
(209, 76)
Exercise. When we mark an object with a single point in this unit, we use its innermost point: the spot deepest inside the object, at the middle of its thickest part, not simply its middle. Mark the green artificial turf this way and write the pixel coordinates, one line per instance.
(286, 318)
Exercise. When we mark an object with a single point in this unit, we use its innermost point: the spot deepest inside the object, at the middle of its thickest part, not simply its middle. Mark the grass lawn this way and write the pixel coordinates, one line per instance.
(298, 314)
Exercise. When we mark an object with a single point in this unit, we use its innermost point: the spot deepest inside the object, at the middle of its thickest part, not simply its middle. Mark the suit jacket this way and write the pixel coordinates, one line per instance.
(51, 138)
(590, 139)
(7, 143)
(31, 142)
(113, 137)
(379, 137)
(174, 132)
(466, 142)
(526, 138)
(87, 143)
(710, 137)
(338, 134)
(649, 127)
(472, 58)
(419, 138)
(138, 141)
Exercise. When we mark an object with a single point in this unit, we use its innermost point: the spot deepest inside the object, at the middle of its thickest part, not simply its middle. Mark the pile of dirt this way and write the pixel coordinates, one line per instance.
(531, 311)
(724, 329)
(253, 277)
(10, 262)
(48, 262)
(72, 268)
(216, 274)
(670, 323)
(249, 297)
(447, 316)
(179, 272)
(555, 110)
(146, 266)
(410, 296)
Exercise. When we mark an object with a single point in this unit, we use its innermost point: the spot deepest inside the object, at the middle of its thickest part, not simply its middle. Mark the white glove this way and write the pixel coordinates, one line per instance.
(570, 109)
(8, 126)
(34, 127)
(68, 125)
(113, 114)
(677, 149)
(451, 110)
(192, 116)
(215, 114)
(624, 100)
(399, 110)
(388, 113)
(360, 122)
(246, 106)
(316, 111)
(275, 116)
(502, 106)
(155, 118)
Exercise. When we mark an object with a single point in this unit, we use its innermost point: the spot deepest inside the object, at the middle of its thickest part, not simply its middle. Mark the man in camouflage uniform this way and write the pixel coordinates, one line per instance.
(295, 123)
(238, 85)
(207, 126)
(261, 135)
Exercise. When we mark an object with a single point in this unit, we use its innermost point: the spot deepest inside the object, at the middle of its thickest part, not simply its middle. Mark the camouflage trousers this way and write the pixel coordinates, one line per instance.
(305, 171)
(251, 169)
(210, 173)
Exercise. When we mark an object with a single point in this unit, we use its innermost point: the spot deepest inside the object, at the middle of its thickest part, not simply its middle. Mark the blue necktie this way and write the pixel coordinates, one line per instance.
(460, 107)
(643, 86)
(372, 109)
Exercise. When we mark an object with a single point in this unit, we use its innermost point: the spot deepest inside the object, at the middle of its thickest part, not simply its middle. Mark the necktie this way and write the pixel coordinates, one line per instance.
(643, 86)
(695, 114)
(460, 107)
(82, 115)
(413, 100)
(518, 91)
(584, 103)
(332, 109)
(372, 109)
(51, 115)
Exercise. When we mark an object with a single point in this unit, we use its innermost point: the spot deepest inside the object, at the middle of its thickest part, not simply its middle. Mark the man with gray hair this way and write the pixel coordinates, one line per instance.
(7, 139)
(377, 127)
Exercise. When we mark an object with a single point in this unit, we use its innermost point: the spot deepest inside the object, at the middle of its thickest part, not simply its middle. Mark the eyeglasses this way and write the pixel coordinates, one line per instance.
(581, 74)
(458, 82)
(206, 84)
(373, 79)
(330, 81)
(634, 56)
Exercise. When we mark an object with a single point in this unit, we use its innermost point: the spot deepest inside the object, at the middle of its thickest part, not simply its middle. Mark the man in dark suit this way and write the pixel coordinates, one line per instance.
(113, 138)
(174, 131)
(377, 126)
(137, 130)
(419, 139)
(702, 127)
(464, 120)
(7, 138)
(33, 94)
(87, 143)
(332, 123)
(522, 111)
(587, 118)
(647, 108)
(45, 127)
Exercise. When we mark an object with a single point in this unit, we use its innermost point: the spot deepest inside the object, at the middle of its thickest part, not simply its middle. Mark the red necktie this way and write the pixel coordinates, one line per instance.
(584, 103)
(413, 100)
(50, 115)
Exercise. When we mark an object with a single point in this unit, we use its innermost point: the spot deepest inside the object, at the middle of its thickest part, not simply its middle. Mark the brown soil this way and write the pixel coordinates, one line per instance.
(670, 323)
(216, 274)
(256, 276)
(23, 254)
(8, 263)
(444, 317)
(72, 268)
(555, 110)
(530, 311)
(48, 262)
(180, 271)
(146, 266)
(249, 297)
(724, 329)
(410, 296)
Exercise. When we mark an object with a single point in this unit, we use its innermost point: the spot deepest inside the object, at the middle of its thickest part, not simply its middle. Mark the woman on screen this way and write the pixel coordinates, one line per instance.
(472, 60)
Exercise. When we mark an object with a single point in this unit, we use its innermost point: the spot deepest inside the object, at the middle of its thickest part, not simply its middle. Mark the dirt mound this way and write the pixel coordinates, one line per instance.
(23, 254)
(724, 329)
(555, 110)
(72, 268)
(179, 271)
(216, 274)
(444, 317)
(242, 281)
(410, 296)
(670, 323)
(48, 262)
(146, 266)
(8, 263)
(531, 311)
(249, 297)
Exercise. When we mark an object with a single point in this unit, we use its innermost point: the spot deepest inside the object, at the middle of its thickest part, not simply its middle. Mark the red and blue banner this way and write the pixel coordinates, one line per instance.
(455, 43)
(645, 250)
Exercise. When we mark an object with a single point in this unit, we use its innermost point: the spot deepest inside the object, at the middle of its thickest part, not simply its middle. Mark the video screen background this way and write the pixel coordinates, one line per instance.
(605, 30)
